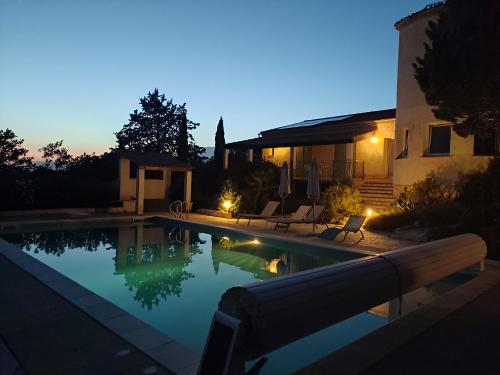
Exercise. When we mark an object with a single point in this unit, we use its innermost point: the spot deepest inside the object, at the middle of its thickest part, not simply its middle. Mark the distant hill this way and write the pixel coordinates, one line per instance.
(209, 152)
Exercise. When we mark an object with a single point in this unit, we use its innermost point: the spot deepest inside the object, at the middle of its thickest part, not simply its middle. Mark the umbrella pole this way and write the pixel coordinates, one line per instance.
(314, 224)
(282, 207)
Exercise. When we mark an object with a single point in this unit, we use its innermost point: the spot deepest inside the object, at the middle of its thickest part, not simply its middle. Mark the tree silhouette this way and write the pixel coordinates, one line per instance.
(220, 144)
(12, 154)
(459, 72)
(161, 126)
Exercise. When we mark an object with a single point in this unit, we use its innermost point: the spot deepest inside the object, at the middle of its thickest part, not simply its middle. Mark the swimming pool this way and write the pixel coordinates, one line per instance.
(172, 274)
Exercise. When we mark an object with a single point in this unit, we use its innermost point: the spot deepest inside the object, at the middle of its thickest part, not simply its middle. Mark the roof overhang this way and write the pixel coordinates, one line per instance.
(326, 135)
(155, 160)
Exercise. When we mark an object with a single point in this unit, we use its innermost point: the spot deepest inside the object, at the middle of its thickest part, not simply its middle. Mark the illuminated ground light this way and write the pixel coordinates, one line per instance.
(373, 139)
(256, 242)
(369, 212)
(227, 205)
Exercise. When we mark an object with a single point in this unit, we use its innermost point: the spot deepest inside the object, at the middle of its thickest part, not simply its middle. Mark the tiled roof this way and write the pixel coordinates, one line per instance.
(428, 9)
(329, 130)
(152, 159)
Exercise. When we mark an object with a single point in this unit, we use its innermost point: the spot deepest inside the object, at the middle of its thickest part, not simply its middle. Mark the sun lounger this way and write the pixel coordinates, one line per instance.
(303, 215)
(353, 225)
(266, 213)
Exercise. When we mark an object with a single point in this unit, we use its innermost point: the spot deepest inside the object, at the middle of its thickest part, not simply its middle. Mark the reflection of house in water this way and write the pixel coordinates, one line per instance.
(153, 260)
(263, 261)
(149, 243)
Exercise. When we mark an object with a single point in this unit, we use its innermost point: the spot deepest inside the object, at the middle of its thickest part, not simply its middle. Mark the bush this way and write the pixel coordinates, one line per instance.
(341, 200)
(229, 194)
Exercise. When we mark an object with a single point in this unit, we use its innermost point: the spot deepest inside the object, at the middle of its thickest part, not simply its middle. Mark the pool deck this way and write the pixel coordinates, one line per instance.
(41, 331)
(374, 242)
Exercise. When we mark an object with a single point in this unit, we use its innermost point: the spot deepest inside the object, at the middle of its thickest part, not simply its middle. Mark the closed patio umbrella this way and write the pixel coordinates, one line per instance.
(284, 188)
(313, 191)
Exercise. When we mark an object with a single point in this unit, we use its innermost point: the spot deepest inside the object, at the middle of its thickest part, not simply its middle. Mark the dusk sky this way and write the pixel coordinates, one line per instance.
(74, 70)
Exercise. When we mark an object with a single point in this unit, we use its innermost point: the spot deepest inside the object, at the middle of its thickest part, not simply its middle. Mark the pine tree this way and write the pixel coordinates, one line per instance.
(220, 144)
(161, 126)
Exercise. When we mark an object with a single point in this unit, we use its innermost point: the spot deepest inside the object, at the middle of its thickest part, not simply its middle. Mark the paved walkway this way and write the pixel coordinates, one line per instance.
(466, 342)
(374, 242)
(48, 335)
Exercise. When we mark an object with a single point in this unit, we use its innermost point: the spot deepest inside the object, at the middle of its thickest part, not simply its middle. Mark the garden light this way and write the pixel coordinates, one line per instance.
(227, 205)
(369, 212)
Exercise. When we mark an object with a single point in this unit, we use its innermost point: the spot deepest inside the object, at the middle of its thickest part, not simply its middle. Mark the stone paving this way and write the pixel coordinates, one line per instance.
(49, 335)
(374, 241)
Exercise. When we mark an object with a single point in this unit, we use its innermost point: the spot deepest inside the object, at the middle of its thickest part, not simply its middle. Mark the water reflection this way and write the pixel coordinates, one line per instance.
(153, 261)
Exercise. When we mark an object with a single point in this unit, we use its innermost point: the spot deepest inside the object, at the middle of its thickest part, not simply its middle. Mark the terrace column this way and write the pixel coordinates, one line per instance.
(188, 176)
(139, 191)
(290, 162)
(226, 158)
(250, 154)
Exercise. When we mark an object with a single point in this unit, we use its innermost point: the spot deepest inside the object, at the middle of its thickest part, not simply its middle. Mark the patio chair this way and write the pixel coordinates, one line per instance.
(299, 216)
(266, 213)
(353, 225)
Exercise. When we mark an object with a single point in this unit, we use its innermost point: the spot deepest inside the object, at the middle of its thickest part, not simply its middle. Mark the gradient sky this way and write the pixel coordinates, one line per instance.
(74, 70)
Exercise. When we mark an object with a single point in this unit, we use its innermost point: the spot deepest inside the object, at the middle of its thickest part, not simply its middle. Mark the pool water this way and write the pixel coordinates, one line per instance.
(172, 276)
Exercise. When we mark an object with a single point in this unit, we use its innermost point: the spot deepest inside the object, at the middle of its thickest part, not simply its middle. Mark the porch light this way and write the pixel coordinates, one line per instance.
(373, 139)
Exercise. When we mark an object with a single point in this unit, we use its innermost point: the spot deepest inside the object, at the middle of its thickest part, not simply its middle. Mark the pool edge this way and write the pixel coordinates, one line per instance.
(168, 352)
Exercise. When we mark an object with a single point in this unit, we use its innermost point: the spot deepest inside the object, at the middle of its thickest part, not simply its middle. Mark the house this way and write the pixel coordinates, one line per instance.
(424, 143)
(357, 146)
(383, 151)
(146, 181)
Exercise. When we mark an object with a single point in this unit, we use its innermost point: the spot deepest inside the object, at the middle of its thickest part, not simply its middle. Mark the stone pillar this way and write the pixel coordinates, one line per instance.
(226, 158)
(188, 176)
(250, 154)
(124, 173)
(139, 191)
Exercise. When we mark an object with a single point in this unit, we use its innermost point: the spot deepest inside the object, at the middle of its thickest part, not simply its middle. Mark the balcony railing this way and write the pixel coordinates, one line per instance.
(332, 169)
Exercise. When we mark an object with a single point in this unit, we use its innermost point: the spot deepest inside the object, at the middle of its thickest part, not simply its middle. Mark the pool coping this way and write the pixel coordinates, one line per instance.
(166, 351)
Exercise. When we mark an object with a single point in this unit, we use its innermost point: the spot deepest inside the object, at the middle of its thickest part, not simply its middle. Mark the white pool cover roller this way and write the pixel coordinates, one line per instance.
(279, 311)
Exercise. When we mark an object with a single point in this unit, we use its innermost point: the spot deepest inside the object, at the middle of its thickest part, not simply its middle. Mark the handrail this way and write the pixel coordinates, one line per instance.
(178, 208)
(324, 296)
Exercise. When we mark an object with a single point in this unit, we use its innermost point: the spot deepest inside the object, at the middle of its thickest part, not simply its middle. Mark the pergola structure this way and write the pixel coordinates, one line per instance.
(147, 176)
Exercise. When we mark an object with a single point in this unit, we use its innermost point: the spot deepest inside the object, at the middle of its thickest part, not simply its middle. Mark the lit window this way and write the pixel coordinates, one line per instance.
(489, 145)
(439, 140)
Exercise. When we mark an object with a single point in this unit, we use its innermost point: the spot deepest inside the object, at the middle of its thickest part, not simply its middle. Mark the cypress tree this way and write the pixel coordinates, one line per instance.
(220, 144)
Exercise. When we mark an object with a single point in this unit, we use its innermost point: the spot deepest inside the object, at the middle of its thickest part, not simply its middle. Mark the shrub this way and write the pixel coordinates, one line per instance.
(229, 194)
(341, 200)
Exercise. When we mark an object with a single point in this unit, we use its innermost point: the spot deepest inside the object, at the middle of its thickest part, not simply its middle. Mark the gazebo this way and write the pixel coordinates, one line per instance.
(146, 177)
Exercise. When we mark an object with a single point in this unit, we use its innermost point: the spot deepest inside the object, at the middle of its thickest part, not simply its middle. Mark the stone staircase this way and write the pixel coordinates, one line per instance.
(377, 194)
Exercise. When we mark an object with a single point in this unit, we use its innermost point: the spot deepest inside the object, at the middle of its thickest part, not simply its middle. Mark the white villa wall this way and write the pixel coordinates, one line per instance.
(414, 114)
(153, 189)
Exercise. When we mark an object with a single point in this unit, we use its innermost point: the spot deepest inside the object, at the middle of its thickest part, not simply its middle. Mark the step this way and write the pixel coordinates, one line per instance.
(378, 201)
(375, 195)
(375, 190)
(389, 186)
